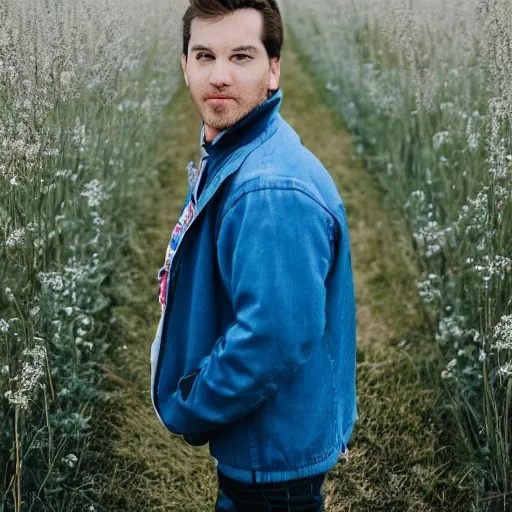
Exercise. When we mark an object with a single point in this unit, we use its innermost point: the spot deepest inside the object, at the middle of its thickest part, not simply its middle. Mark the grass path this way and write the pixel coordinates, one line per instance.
(396, 462)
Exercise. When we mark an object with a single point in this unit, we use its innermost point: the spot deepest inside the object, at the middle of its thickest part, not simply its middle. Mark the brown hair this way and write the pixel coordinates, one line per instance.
(272, 37)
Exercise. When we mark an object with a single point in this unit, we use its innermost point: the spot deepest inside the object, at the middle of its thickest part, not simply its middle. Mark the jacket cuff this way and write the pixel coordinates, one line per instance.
(185, 422)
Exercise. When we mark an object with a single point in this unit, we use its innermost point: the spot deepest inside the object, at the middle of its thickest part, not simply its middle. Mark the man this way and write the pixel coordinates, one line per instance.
(255, 350)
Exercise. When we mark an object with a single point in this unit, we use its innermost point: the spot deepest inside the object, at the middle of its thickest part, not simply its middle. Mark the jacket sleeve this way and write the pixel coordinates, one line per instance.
(274, 251)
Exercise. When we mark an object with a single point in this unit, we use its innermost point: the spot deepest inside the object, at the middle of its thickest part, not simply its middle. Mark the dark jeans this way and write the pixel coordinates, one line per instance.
(293, 495)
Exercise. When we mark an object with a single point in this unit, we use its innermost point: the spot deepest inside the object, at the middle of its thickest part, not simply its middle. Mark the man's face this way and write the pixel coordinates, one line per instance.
(244, 75)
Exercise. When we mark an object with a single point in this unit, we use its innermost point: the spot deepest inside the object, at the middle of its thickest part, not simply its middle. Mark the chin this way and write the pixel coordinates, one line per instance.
(227, 122)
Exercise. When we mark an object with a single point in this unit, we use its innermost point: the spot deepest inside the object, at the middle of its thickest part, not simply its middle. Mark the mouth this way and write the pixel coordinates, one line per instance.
(218, 100)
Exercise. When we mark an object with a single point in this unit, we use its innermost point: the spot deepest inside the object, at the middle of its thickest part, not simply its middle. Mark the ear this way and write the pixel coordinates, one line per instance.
(184, 67)
(275, 73)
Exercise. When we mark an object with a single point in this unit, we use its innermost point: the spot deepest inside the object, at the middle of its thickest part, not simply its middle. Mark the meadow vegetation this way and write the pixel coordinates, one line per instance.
(83, 85)
(425, 87)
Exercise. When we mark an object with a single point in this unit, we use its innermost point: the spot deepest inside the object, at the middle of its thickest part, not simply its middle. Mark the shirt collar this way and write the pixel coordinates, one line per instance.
(206, 146)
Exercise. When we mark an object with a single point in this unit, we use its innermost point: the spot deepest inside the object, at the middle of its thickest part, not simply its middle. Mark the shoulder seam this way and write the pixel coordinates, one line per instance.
(273, 187)
(330, 221)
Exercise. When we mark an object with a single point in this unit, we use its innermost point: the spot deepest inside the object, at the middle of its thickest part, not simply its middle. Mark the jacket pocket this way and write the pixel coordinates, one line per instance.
(186, 382)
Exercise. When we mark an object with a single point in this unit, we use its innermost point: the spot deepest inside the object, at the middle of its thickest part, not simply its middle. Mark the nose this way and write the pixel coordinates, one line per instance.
(221, 75)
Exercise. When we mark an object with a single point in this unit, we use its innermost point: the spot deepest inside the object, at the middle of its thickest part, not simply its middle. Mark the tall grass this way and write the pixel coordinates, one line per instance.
(425, 86)
(83, 85)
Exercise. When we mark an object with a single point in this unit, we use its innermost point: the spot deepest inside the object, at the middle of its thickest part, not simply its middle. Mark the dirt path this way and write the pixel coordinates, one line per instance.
(392, 465)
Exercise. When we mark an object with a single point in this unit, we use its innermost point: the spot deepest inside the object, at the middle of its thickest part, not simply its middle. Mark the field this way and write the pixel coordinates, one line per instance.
(409, 107)
(424, 87)
(82, 90)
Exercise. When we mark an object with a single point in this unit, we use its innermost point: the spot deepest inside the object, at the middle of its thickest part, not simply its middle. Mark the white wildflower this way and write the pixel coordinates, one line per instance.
(332, 87)
(503, 333)
(448, 107)
(63, 392)
(85, 320)
(51, 280)
(94, 193)
(417, 198)
(4, 326)
(428, 292)
(70, 459)
(96, 219)
(441, 138)
(468, 370)
(494, 265)
(63, 173)
(39, 244)
(433, 236)
(16, 238)
(18, 398)
(127, 105)
(506, 370)
(32, 227)
(481, 200)
(78, 136)
(473, 135)
(449, 327)
(77, 272)
(32, 371)
(10, 295)
(451, 365)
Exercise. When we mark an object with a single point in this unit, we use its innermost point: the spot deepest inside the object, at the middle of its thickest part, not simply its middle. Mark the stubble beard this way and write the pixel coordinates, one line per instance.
(219, 117)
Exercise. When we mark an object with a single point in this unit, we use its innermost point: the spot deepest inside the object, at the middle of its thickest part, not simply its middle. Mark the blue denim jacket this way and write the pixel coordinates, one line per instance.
(255, 349)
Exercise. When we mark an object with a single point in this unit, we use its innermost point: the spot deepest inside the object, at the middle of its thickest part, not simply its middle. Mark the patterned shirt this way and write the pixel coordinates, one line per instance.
(196, 181)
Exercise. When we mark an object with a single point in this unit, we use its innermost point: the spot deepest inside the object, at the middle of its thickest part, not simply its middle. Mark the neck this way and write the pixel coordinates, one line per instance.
(210, 133)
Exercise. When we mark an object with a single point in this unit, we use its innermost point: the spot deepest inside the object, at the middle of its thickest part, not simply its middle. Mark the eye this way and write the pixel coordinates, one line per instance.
(199, 55)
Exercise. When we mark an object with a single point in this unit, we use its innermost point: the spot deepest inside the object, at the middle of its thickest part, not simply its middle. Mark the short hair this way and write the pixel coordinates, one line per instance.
(272, 37)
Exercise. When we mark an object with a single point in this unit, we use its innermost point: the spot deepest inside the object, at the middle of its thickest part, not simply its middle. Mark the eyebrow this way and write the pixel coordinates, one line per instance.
(244, 48)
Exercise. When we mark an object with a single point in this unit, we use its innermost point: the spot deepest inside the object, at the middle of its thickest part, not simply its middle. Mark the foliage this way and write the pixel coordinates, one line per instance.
(424, 86)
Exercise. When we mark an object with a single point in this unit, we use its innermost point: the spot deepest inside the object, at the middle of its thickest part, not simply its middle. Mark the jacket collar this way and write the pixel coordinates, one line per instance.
(230, 148)
(245, 129)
